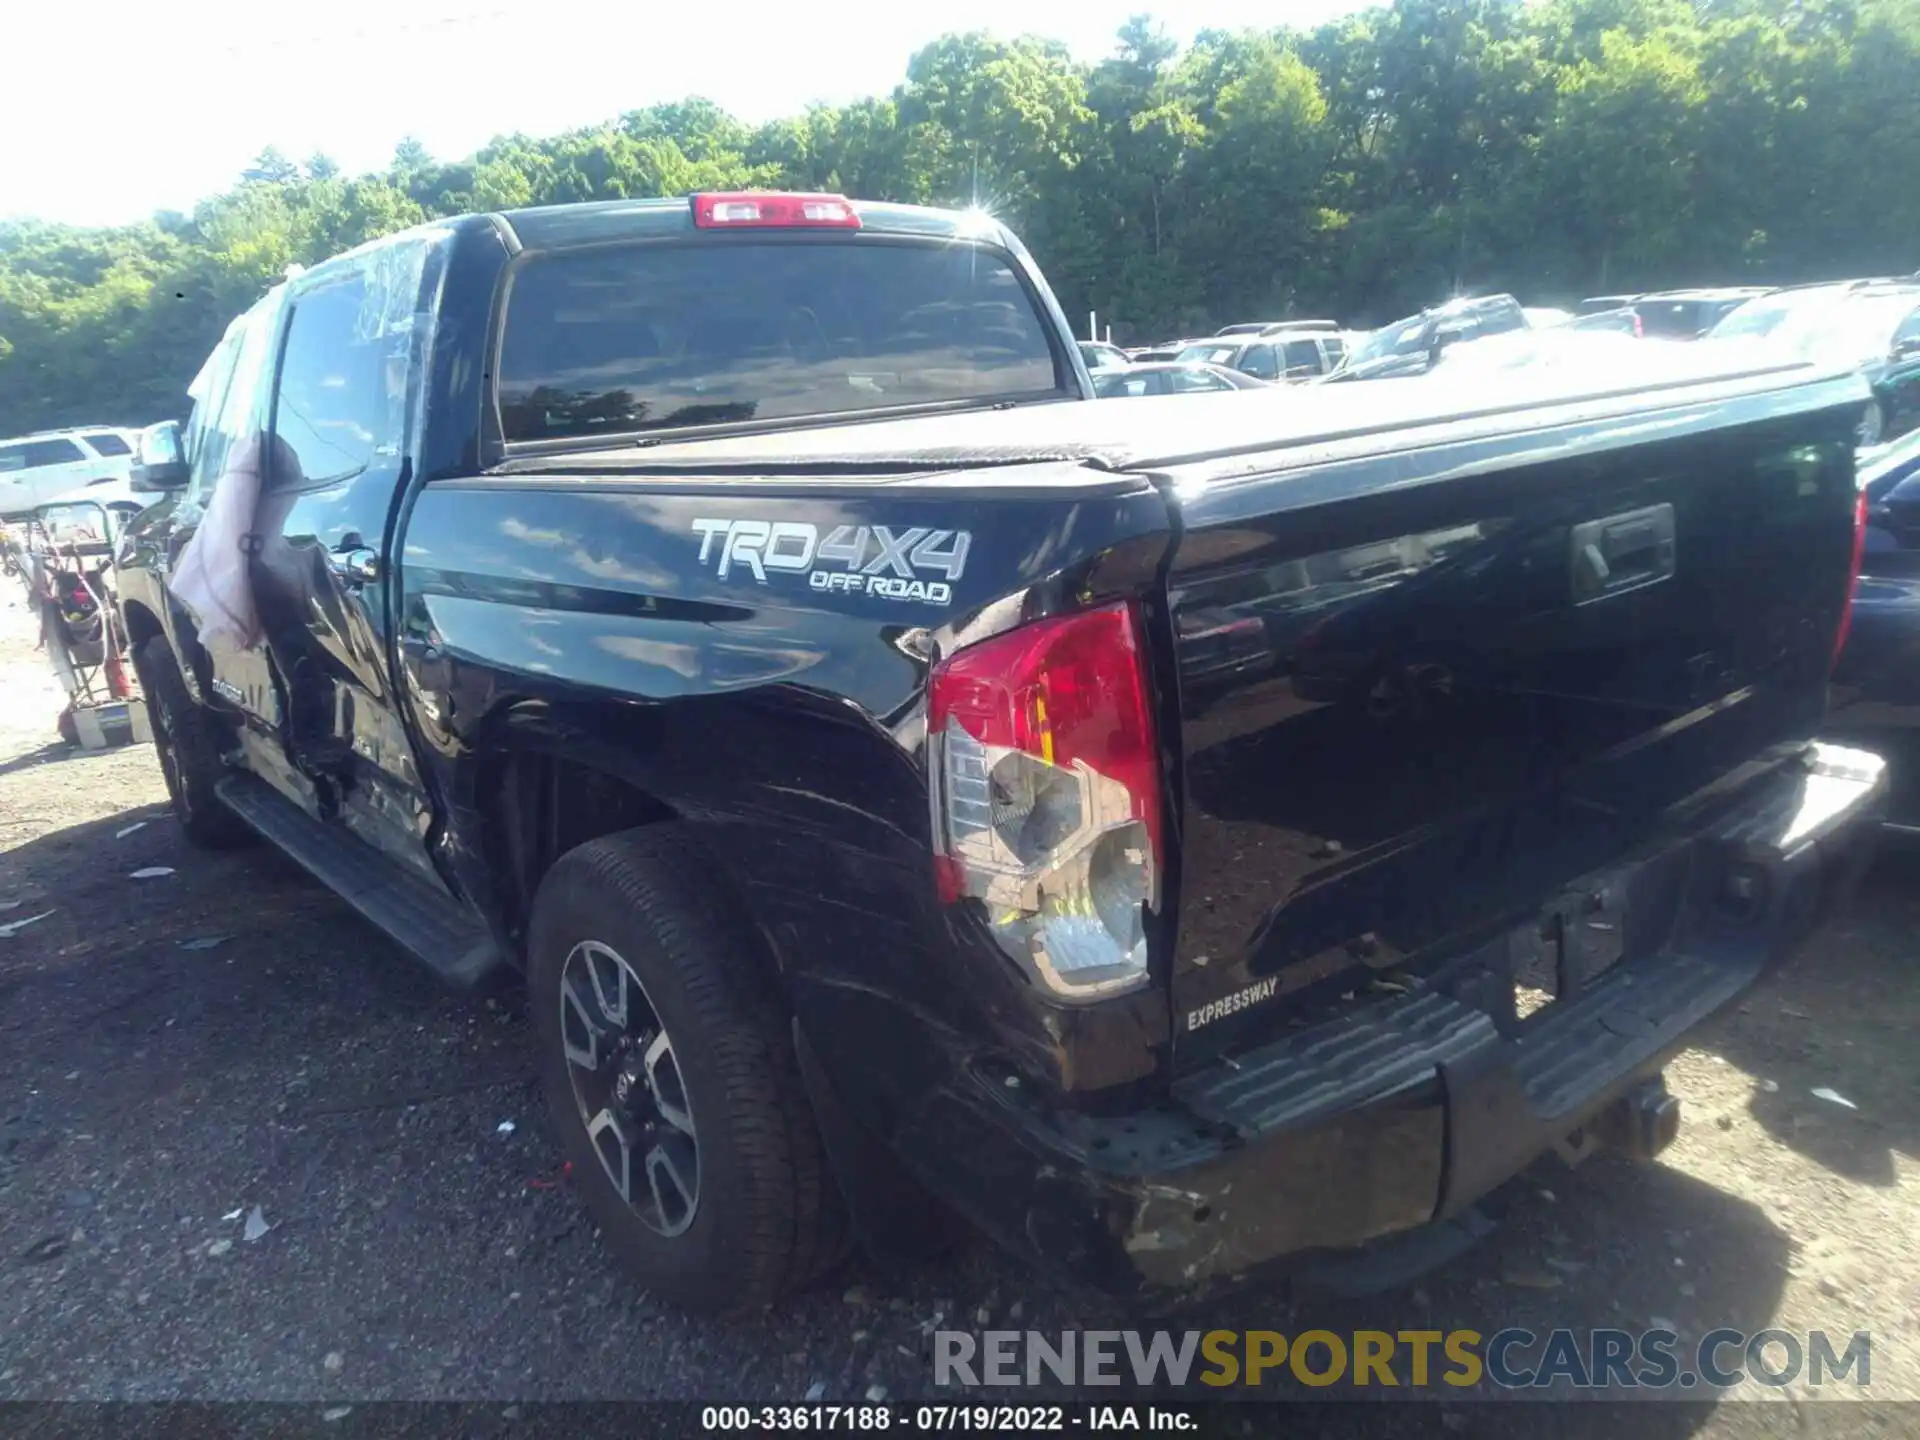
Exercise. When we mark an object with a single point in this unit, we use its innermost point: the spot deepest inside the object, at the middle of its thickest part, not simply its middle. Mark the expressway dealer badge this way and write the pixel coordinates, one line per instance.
(912, 563)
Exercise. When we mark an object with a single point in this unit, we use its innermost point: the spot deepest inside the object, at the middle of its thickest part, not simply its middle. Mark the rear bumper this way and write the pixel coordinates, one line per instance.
(1399, 1116)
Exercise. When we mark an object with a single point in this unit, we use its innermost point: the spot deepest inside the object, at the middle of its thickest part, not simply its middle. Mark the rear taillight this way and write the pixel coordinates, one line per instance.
(743, 210)
(1853, 574)
(1046, 796)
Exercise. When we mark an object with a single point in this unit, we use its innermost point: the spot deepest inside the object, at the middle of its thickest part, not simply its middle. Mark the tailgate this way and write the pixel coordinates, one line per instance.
(1425, 688)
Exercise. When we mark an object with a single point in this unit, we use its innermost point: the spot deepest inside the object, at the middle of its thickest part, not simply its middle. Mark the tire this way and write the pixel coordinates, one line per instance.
(185, 736)
(1872, 427)
(765, 1218)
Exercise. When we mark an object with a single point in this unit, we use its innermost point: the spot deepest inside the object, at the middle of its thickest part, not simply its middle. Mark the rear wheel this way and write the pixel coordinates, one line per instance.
(184, 734)
(1873, 424)
(668, 1066)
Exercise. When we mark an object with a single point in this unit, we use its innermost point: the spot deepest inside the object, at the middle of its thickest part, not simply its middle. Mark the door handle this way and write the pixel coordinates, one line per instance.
(1622, 552)
(355, 566)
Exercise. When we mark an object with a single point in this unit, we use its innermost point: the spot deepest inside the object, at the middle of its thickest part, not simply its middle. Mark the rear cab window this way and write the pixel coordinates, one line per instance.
(668, 334)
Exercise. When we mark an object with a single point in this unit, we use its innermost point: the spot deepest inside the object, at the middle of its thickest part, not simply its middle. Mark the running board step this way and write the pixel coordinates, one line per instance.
(429, 923)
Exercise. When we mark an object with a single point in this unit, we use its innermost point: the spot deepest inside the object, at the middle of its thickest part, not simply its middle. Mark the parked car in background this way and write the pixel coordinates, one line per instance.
(1689, 314)
(1624, 321)
(1873, 325)
(1875, 696)
(1293, 355)
(35, 468)
(1675, 314)
(1101, 356)
(1169, 378)
(1410, 346)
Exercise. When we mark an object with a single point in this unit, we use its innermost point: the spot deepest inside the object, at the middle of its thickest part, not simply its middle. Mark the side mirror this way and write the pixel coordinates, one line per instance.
(159, 461)
(1907, 348)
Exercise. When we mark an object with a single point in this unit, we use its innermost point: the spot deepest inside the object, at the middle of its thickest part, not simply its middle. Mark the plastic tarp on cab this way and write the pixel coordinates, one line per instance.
(210, 577)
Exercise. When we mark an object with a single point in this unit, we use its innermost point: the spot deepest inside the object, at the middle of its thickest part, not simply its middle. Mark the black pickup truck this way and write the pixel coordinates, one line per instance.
(1176, 838)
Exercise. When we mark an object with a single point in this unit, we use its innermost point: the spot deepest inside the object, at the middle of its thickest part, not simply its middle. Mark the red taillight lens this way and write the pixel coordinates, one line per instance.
(747, 209)
(1046, 785)
(1853, 575)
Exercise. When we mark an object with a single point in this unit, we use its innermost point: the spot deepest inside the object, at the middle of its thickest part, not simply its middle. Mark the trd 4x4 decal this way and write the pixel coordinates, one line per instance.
(851, 559)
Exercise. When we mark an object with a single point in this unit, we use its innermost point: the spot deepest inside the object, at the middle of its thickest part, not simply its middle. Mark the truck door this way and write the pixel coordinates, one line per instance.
(336, 466)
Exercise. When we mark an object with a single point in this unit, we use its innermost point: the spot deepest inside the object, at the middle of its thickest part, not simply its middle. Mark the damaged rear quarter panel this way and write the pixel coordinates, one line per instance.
(780, 719)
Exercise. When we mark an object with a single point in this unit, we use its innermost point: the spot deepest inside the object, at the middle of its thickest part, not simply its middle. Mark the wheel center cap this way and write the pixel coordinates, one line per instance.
(625, 1081)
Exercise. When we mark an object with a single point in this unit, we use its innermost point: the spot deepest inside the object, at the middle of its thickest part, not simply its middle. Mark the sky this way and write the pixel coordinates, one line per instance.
(202, 86)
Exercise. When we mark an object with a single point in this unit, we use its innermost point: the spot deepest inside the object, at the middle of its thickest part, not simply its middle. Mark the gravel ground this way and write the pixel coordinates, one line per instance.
(181, 1053)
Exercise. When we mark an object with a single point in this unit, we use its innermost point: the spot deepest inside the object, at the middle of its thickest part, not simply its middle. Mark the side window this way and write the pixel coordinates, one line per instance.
(1261, 362)
(1303, 358)
(53, 452)
(236, 388)
(208, 390)
(108, 444)
(1336, 352)
(12, 457)
(340, 407)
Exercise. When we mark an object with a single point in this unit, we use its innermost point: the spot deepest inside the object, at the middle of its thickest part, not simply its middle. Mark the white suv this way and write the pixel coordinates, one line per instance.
(36, 468)
(1279, 353)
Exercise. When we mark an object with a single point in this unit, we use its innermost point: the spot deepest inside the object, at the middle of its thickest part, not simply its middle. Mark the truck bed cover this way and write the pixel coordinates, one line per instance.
(1219, 436)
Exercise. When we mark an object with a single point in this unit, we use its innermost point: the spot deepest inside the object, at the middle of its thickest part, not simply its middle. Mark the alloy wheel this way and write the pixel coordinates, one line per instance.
(628, 1088)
